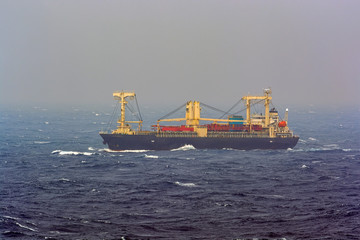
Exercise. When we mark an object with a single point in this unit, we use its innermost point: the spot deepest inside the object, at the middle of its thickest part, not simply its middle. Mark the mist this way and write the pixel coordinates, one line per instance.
(169, 52)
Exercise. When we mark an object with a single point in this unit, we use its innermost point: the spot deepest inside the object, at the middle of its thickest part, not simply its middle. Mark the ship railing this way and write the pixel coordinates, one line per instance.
(237, 135)
(213, 134)
(144, 133)
(285, 134)
(132, 133)
(176, 134)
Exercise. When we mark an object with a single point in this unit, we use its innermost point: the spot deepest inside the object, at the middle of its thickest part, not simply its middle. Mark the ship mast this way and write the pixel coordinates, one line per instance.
(124, 128)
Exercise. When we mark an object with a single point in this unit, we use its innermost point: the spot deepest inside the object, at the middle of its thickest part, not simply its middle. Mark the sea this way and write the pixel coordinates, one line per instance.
(58, 181)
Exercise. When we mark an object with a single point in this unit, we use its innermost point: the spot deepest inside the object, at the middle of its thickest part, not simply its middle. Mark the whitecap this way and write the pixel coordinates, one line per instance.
(317, 149)
(312, 139)
(13, 218)
(41, 142)
(332, 146)
(106, 150)
(61, 152)
(103, 221)
(185, 184)
(150, 156)
(322, 149)
(64, 180)
(26, 227)
(122, 151)
(273, 196)
(184, 148)
(296, 150)
(91, 149)
(304, 166)
(316, 162)
(133, 151)
(75, 153)
(229, 149)
(223, 204)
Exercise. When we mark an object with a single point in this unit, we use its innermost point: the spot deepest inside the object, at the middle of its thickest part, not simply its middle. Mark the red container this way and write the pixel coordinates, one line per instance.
(181, 128)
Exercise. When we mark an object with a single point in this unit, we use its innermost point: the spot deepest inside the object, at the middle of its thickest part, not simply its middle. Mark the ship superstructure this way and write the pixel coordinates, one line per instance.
(256, 131)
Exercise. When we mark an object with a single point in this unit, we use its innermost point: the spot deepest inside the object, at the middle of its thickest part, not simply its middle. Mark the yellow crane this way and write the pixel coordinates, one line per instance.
(267, 98)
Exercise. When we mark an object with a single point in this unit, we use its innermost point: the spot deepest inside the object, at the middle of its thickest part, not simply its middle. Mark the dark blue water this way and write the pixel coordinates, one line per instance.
(57, 181)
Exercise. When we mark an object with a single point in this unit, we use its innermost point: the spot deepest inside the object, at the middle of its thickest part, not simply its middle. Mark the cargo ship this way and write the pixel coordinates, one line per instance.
(255, 131)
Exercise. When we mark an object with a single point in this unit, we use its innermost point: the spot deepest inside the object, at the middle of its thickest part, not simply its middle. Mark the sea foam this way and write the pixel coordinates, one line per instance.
(61, 152)
(184, 148)
(134, 151)
(185, 184)
(41, 142)
(26, 227)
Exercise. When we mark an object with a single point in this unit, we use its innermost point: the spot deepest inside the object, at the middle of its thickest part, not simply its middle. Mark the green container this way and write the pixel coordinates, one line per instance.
(236, 117)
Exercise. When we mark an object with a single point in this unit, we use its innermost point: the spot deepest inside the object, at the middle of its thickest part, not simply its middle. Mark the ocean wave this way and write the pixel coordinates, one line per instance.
(134, 151)
(74, 153)
(184, 148)
(121, 151)
(13, 234)
(323, 149)
(64, 180)
(107, 150)
(12, 218)
(255, 238)
(334, 146)
(269, 196)
(25, 227)
(316, 161)
(350, 150)
(223, 204)
(41, 142)
(150, 156)
(185, 184)
(16, 221)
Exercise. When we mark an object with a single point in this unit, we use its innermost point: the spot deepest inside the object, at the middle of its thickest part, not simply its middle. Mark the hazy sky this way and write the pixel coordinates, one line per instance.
(61, 52)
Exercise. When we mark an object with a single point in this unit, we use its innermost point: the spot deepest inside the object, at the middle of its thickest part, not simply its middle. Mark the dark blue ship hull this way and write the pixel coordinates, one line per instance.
(152, 142)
